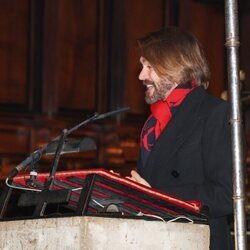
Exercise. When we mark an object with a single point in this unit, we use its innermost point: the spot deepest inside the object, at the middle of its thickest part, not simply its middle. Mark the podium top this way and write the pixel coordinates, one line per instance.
(128, 197)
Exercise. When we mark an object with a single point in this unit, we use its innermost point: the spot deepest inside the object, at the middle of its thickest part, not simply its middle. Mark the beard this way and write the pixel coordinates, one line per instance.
(159, 91)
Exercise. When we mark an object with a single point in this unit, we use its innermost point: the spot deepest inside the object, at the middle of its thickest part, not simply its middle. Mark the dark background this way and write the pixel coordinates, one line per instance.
(63, 60)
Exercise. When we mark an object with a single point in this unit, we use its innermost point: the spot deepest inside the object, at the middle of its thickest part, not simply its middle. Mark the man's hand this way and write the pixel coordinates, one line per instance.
(136, 177)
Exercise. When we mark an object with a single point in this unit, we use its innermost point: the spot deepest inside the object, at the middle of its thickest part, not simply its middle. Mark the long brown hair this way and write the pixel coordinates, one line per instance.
(176, 55)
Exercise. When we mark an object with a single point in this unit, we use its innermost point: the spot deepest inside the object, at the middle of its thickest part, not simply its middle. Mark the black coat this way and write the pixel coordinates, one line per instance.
(192, 160)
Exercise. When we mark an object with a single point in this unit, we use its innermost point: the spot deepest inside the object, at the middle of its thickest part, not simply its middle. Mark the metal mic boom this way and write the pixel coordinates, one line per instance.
(112, 113)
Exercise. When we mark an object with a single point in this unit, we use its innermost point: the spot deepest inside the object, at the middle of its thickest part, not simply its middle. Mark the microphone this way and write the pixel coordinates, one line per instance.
(34, 157)
(72, 145)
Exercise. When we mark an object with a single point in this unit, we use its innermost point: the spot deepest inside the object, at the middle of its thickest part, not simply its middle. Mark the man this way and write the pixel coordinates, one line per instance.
(185, 142)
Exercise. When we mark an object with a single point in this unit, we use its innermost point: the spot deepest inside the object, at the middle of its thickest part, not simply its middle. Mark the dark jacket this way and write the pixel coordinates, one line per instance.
(192, 160)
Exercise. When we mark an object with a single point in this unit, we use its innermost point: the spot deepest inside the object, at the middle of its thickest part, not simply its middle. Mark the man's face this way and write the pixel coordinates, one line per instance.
(157, 87)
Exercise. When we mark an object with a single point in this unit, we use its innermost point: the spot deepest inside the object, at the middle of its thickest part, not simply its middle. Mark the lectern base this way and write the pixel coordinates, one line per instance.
(78, 233)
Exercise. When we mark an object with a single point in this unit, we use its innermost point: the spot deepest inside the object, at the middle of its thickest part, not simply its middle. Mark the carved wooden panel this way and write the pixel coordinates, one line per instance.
(70, 59)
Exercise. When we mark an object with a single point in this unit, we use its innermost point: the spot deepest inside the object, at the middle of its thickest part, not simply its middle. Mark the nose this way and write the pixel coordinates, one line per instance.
(143, 74)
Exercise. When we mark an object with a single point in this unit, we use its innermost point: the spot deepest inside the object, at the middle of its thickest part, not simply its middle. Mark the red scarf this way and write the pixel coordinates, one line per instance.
(162, 111)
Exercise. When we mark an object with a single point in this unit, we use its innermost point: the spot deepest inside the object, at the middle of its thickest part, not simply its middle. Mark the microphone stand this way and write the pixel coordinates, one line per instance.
(62, 137)
(61, 141)
(48, 195)
(57, 156)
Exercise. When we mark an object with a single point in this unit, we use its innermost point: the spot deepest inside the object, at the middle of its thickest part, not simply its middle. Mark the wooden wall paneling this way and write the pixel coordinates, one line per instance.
(78, 33)
(70, 45)
(118, 55)
(104, 20)
(14, 55)
(49, 74)
(35, 55)
(14, 145)
(171, 12)
(14, 140)
(206, 22)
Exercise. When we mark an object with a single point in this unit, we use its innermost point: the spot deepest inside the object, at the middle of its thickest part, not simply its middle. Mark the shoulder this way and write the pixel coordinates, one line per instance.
(210, 104)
